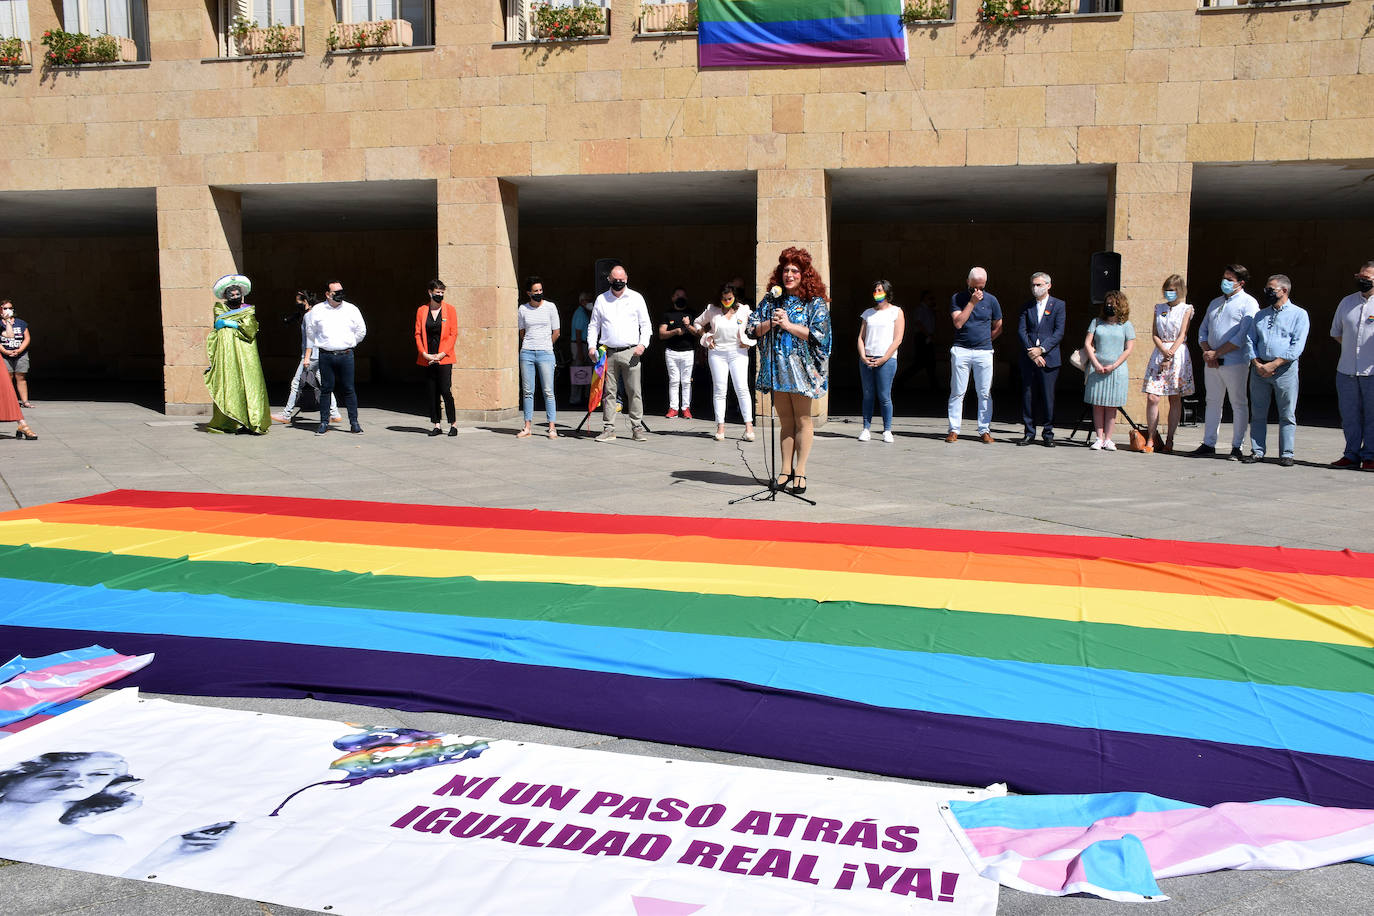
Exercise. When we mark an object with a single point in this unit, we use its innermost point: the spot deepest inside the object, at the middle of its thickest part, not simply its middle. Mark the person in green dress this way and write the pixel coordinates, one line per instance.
(234, 379)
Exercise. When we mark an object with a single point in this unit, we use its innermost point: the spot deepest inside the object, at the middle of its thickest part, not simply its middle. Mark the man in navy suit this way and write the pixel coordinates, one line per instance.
(1041, 329)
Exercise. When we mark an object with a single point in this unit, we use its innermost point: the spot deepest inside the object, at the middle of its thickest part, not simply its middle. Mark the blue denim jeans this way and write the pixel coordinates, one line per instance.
(530, 360)
(1356, 396)
(961, 361)
(1282, 389)
(878, 383)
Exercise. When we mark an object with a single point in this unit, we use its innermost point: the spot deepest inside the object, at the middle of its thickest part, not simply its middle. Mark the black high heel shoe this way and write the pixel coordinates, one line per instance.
(799, 488)
(784, 481)
(24, 432)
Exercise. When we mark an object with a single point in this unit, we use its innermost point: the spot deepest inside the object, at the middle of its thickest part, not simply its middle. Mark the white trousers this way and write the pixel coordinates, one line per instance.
(679, 378)
(729, 366)
(1227, 381)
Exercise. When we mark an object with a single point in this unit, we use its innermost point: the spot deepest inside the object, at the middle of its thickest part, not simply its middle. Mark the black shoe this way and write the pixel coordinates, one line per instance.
(1286, 462)
(1251, 458)
(1049, 441)
(1027, 439)
(436, 431)
(321, 430)
(1203, 450)
(1236, 455)
(356, 430)
(453, 430)
(799, 488)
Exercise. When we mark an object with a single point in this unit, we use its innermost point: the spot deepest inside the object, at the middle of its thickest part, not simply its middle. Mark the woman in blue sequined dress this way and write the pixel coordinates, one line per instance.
(793, 360)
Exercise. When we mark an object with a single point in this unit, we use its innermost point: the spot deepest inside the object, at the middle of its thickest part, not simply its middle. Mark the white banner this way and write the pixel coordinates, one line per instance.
(327, 816)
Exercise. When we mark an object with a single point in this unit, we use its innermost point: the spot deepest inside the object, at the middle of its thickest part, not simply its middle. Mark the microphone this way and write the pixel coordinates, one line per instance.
(775, 291)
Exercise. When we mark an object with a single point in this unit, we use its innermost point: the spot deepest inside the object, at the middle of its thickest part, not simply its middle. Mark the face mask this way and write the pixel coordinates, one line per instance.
(337, 295)
(1039, 291)
(617, 285)
(1271, 296)
(587, 306)
(1110, 311)
(233, 297)
(1170, 295)
(880, 297)
(1364, 284)
(680, 304)
(971, 290)
(436, 296)
(536, 297)
(1228, 286)
(7, 313)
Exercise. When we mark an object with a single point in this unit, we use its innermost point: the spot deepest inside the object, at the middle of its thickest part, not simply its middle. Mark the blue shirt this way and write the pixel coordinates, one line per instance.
(976, 334)
(579, 323)
(11, 340)
(1277, 334)
(1228, 321)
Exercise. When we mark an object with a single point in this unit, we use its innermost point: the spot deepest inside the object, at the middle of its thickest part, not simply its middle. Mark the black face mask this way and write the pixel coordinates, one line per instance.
(436, 296)
(680, 304)
(971, 290)
(337, 295)
(1110, 311)
(536, 297)
(1364, 284)
(617, 285)
(233, 298)
(1271, 296)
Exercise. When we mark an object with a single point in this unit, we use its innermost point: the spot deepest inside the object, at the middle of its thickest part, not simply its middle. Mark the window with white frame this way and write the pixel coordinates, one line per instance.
(14, 19)
(277, 12)
(520, 15)
(265, 13)
(416, 12)
(126, 18)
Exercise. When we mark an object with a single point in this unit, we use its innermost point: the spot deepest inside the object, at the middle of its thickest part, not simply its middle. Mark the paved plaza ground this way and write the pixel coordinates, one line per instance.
(89, 447)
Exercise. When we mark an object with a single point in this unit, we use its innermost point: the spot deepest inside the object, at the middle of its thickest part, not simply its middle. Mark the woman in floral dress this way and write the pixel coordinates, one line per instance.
(1170, 371)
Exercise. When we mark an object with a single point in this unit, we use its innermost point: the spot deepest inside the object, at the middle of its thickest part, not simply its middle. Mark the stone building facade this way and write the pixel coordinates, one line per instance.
(1175, 135)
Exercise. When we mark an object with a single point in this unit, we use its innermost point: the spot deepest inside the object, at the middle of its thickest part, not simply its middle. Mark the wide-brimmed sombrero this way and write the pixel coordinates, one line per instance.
(229, 280)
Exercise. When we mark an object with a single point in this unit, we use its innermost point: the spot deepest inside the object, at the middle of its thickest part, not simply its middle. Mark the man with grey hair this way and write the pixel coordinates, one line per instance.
(1041, 329)
(977, 323)
(620, 323)
(1353, 328)
(1274, 341)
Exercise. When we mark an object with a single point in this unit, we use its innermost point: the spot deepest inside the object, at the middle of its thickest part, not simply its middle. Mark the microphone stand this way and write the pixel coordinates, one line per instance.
(770, 492)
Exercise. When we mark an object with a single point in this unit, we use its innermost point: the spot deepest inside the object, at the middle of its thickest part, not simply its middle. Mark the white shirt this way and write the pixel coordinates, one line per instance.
(1040, 308)
(880, 326)
(538, 325)
(1353, 323)
(335, 327)
(726, 331)
(619, 321)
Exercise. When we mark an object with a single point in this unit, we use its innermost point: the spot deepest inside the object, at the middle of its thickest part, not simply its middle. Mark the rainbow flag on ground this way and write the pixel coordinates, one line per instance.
(755, 33)
(1201, 672)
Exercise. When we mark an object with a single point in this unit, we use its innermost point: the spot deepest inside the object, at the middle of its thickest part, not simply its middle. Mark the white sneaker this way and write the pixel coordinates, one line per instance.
(887, 435)
(1109, 445)
(865, 435)
(1097, 445)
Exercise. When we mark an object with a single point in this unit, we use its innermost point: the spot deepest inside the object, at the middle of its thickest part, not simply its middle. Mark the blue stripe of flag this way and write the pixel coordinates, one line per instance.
(800, 31)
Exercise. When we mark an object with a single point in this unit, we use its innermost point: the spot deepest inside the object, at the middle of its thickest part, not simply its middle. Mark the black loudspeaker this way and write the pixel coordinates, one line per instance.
(603, 267)
(1104, 275)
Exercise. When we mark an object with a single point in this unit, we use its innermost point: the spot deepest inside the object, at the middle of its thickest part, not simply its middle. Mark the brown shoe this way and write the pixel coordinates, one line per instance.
(952, 437)
(986, 439)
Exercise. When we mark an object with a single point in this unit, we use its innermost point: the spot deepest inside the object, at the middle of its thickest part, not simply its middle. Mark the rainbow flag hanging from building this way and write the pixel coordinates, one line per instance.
(757, 33)
(1201, 672)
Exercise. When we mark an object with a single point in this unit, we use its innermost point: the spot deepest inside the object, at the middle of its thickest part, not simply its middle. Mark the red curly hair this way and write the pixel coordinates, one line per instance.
(811, 285)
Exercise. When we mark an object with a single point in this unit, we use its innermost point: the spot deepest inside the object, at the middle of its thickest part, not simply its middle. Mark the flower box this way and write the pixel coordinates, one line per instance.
(15, 53)
(381, 33)
(668, 17)
(277, 39)
(70, 49)
(557, 23)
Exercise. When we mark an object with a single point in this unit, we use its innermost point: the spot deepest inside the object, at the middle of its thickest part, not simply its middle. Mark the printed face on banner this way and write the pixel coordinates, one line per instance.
(536, 829)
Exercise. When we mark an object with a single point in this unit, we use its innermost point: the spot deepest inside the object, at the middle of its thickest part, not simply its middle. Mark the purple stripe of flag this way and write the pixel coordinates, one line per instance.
(742, 718)
(759, 54)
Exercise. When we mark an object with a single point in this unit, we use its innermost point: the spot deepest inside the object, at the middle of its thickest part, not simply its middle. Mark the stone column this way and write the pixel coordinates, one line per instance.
(199, 240)
(793, 210)
(478, 219)
(1148, 211)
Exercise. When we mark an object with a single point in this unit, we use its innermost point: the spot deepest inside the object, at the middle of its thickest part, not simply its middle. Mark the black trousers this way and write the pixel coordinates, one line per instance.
(336, 377)
(1037, 397)
(440, 381)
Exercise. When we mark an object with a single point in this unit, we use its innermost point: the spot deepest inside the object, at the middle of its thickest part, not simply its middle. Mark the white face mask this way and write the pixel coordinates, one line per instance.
(7, 313)
(1039, 292)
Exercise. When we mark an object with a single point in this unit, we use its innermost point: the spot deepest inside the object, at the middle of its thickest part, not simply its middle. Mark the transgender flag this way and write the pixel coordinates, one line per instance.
(757, 33)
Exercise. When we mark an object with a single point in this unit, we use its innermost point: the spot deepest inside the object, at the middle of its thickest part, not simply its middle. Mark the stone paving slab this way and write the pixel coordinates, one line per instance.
(918, 480)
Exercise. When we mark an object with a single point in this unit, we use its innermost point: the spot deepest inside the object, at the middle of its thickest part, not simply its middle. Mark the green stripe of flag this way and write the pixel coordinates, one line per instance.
(792, 10)
(999, 636)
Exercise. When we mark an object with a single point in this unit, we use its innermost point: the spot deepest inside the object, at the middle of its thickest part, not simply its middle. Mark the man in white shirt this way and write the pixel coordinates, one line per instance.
(1353, 328)
(620, 323)
(1222, 334)
(335, 327)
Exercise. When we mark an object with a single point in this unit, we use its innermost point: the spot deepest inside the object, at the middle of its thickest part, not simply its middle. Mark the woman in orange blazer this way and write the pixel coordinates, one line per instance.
(436, 332)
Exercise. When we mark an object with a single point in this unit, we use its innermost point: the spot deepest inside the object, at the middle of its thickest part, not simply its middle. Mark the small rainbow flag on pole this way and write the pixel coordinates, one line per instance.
(598, 380)
(761, 33)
